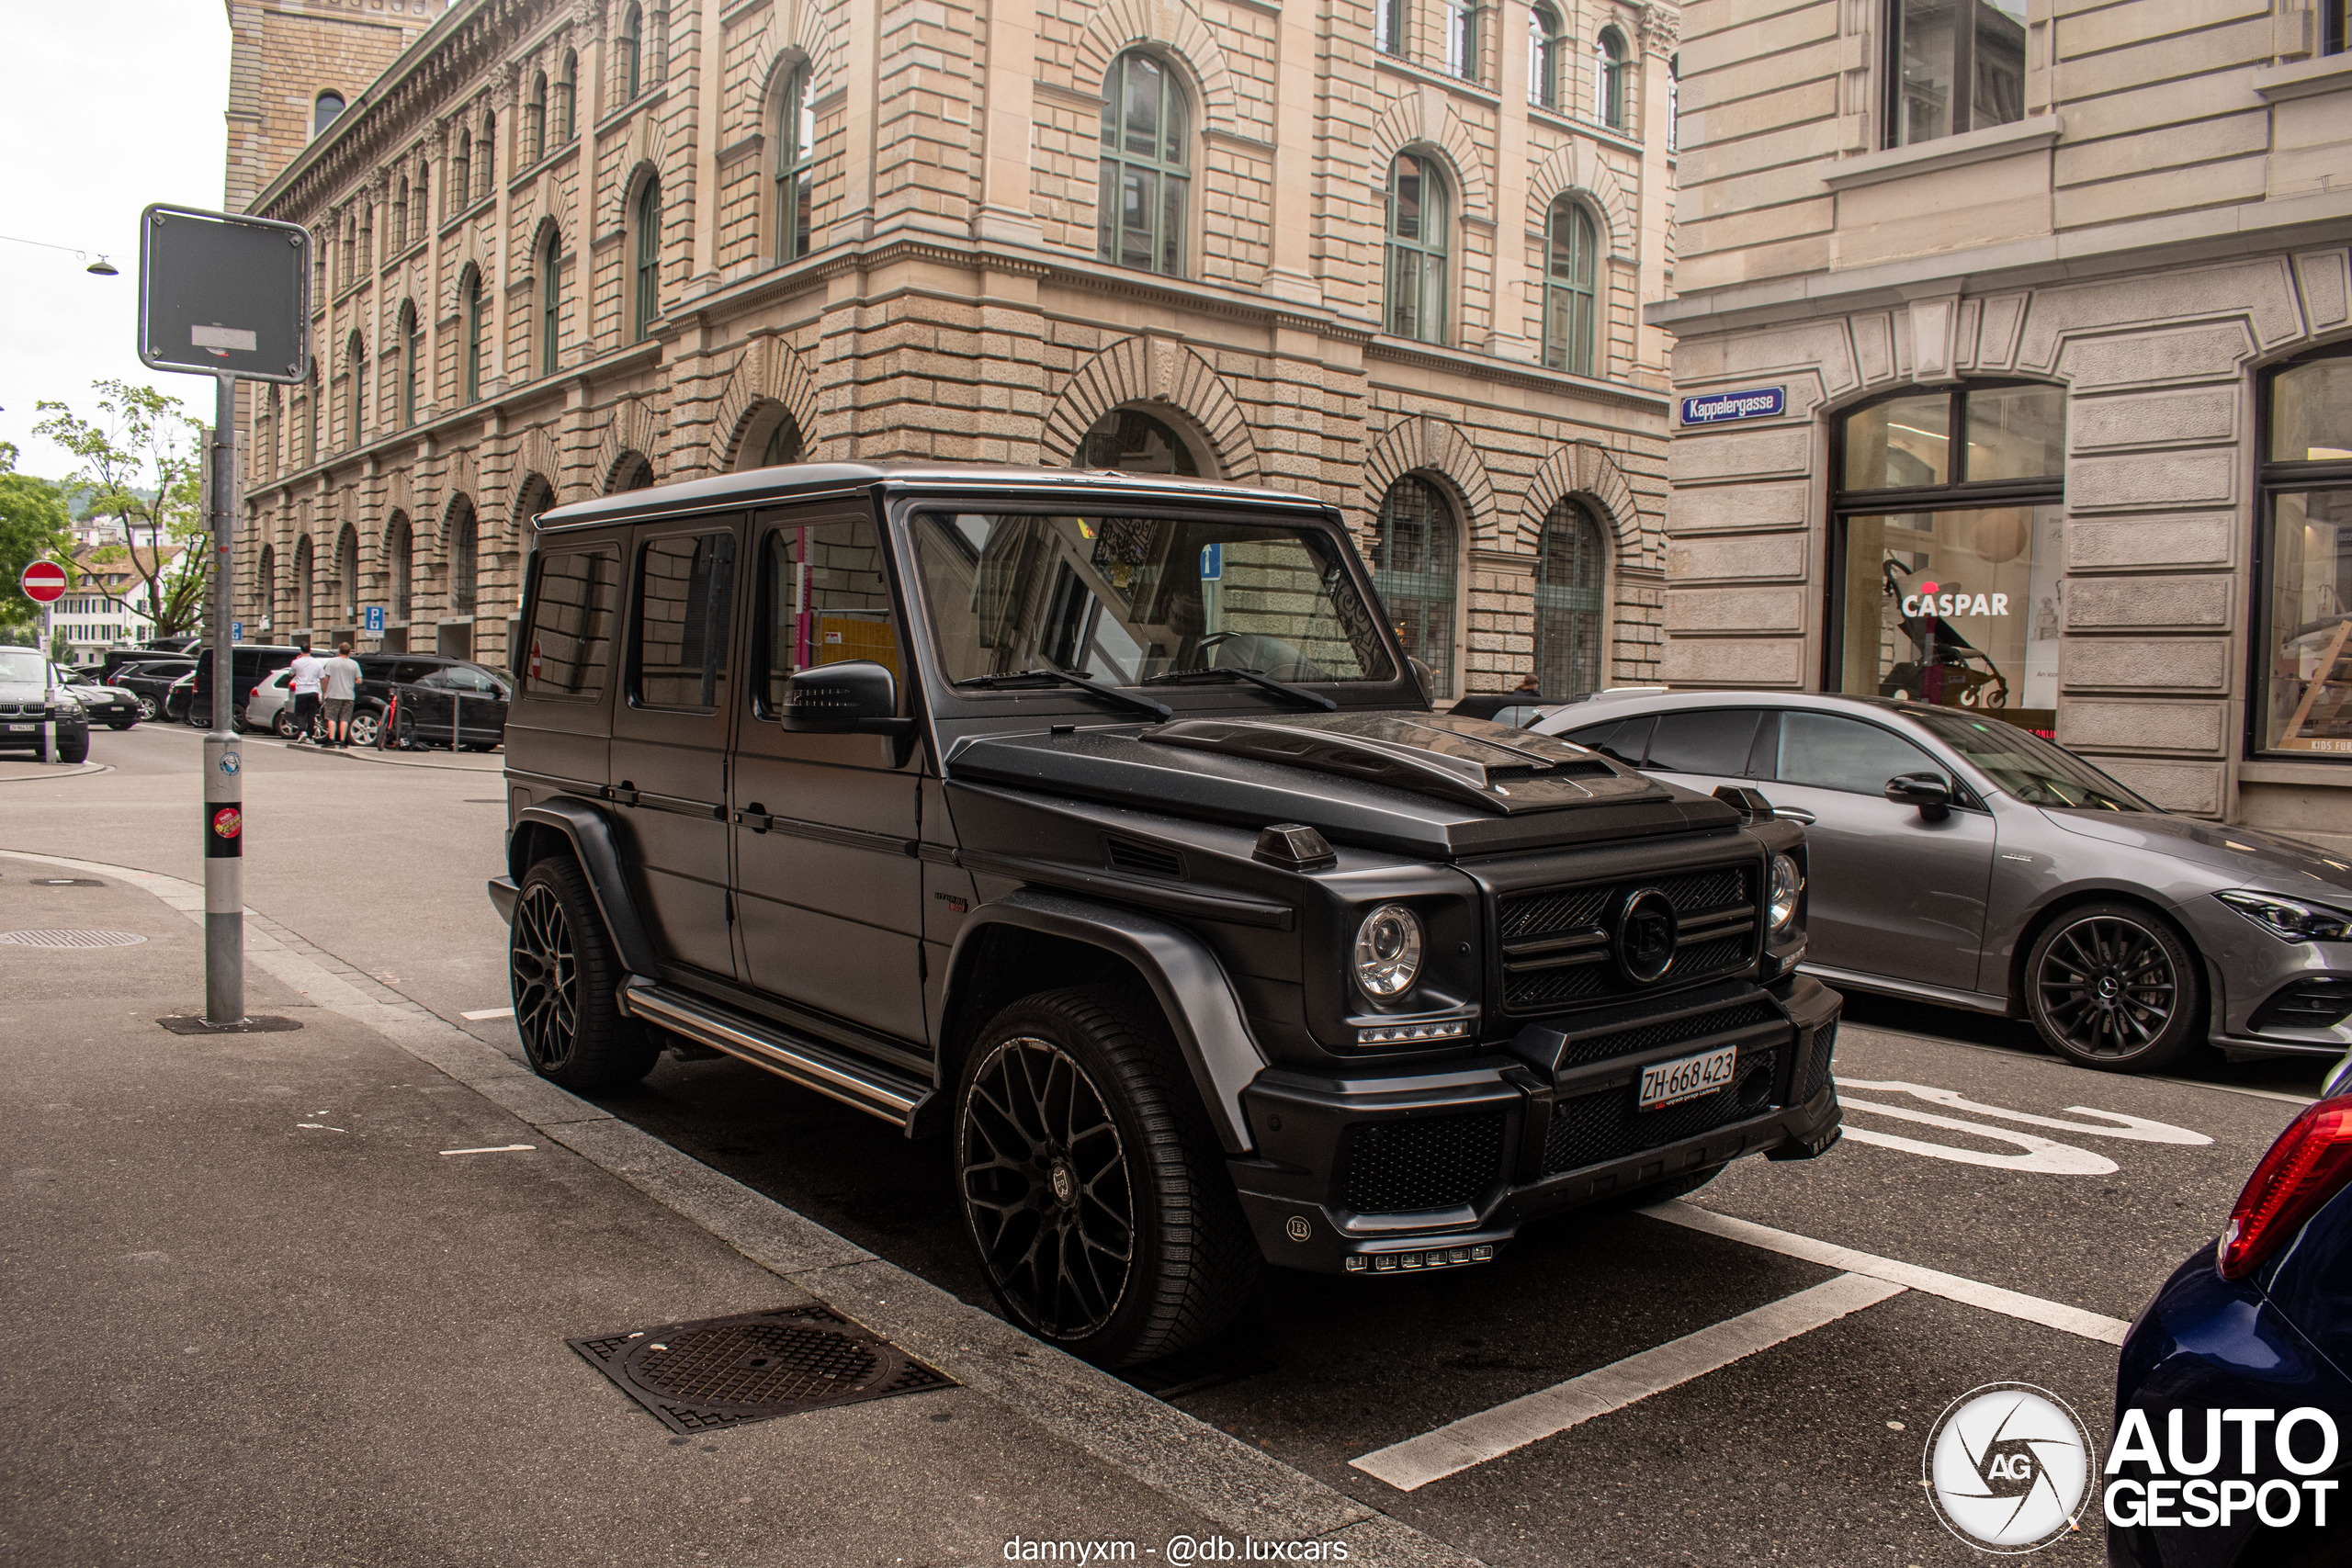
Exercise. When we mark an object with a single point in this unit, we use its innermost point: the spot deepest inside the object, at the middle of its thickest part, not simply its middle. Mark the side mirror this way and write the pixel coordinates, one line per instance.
(856, 696)
(1426, 678)
(1928, 792)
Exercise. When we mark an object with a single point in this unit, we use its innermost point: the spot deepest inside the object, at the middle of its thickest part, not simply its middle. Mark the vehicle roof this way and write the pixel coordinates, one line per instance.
(1605, 705)
(802, 478)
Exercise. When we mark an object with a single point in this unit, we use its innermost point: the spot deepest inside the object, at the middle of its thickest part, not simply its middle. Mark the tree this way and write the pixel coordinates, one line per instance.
(142, 464)
(33, 523)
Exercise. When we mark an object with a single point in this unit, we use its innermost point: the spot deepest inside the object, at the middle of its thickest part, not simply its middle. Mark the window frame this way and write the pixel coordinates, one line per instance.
(1464, 40)
(1585, 518)
(1963, 74)
(1437, 197)
(534, 122)
(1113, 160)
(469, 313)
(1609, 57)
(1377, 568)
(629, 52)
(1391, 27)
(568, 96)
(2273, 480)
(645, 264)
(728, 526)
(769, 529)
(1545, 37)
(795, 168)
(1588, 288)
(550, 324)
(320, 126)
(461, 172)
(411, 335)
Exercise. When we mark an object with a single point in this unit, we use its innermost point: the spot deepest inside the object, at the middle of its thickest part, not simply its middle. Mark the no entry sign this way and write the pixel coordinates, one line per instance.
(44, 582)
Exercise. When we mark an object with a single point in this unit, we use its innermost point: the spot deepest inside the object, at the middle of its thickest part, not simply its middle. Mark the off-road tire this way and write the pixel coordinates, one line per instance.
(564, 978)
(1191, 1257)
(2157, 1013)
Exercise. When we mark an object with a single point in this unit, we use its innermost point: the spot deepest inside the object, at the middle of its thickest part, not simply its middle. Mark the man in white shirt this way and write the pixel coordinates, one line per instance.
(338, 688)
(304, 680)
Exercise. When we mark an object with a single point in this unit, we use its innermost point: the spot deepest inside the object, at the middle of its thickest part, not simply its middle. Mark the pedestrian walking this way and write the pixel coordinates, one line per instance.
(338, 688)
(305, 678)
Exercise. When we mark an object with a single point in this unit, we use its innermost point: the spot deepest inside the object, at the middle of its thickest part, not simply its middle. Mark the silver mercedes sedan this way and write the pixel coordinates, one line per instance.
(1960, 860)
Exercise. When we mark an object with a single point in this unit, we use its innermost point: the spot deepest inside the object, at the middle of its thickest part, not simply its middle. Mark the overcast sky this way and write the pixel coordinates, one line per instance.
(110, 106)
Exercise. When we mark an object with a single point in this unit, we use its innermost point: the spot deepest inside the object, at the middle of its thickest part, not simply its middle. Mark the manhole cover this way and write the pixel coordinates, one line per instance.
(71, 939)
(723, 1372)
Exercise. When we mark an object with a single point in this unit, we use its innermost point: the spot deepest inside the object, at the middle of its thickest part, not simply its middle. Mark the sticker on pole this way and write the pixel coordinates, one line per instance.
(227, 822)
(221, 294)
(43, 581)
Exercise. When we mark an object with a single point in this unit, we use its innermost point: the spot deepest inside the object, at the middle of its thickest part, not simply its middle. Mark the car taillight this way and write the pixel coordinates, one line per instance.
(2309, 1165)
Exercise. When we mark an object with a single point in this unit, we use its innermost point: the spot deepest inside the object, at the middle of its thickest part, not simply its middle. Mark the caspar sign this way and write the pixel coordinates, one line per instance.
(1755, 402)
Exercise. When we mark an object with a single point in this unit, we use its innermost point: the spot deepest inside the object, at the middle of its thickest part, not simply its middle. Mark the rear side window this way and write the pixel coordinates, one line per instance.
(685, 610)
(1710, 740)
(1626, 740)
(823, 598)
(571, 625)
(1828, 752)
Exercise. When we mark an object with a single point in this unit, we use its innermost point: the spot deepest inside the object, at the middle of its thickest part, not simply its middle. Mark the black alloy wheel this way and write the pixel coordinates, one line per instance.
(565, 983)
(2111, 986)
(1090, 1183)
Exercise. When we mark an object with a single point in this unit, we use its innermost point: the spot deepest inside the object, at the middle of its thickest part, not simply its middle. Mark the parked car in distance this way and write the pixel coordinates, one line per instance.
(271, 706)
(380, 673)
(461, 704)
(104, 703)
(249, 664)
(36, 711)
(1093, 828)
(1960, 860)
(149, 680)
(2256, 1325)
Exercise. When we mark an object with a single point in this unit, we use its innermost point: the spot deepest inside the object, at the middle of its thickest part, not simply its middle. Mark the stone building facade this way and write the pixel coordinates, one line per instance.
(2009, 346)
(1386, 254)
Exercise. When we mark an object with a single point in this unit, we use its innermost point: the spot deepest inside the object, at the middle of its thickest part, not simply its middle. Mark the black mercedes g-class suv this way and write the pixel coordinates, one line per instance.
(1098, 824)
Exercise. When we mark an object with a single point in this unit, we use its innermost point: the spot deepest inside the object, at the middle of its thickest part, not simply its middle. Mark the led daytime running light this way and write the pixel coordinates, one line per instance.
(2289, 920)
(1434, 1258)
(1398, 1033)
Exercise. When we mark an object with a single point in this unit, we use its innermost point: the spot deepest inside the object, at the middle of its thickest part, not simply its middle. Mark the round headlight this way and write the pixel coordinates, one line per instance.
(1388, 949)
(1787, 883)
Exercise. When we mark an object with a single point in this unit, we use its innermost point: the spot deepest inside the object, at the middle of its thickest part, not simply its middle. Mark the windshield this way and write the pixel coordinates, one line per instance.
(2025, 765)
(1123, 600)
(21, 665)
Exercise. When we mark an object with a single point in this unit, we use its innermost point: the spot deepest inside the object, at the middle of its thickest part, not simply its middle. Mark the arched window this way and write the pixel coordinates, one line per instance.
(355, 393)
(550, 273)
(400, 217)
(783, 444)
(1134, 443)
(534, 122)
(1416, 277)
(489, 154)
(1462, 39)
(303, 584)
(1569, 265)
(366, 235)
(1609, 78)
(400, 598)
(324, 110)
(423, 208)
(566, 97)
(461, 174)
(648, 293)
(470, 371)
(1544, 56)
(465, 533)
(346, 572)
(348, 271)
(411, 351)
(1413, 566)
(628, 50)
(265, 587)
(1146, 166)
(796, 139)
(310, 417)
(633, 471)
(1571, 567)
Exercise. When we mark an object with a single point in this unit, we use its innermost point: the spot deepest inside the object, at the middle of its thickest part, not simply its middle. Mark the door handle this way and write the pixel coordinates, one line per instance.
(755, 816)
(624, 793)
(1795, 814)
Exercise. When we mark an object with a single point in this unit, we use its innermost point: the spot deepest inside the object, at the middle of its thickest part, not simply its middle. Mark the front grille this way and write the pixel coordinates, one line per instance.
(1817, 1067)
(20, 710)
(1399, 1168)
(1673, 1032)
(2306, 1004)
(1594, 1129)
(1555, 940)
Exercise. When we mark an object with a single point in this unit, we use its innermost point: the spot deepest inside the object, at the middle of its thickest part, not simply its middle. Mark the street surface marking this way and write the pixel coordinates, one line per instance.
(1491, 1434)
(499, 1149)
(2041, 1157)
(2014, 1054)
(318, 1127)
(1927, 1281)
(2138, 1129)
(487, 1012)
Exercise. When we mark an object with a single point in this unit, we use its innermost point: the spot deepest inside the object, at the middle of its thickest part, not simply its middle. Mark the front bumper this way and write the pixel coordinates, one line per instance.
(1372, 1171)
(19, 734)
(503, 895)
(2271, 998)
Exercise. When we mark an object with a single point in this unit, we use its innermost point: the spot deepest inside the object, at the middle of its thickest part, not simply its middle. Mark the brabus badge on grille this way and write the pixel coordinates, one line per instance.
(1647, 930)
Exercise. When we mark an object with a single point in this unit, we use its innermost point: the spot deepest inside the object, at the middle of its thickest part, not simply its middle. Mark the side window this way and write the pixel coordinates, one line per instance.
(1626, 740)
(411, 671)
(1830, 752)
(823, 598)
(685, 607)
(572, 629)
(1712, 740)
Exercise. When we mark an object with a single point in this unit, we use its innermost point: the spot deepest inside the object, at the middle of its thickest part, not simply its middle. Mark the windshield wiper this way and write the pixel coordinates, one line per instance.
(1255, 677)
(1070, 678)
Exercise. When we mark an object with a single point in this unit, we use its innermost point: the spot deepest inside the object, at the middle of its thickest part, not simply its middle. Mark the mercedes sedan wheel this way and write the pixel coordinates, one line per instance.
(1090, 1182)
(2111, 986)
(566, 981)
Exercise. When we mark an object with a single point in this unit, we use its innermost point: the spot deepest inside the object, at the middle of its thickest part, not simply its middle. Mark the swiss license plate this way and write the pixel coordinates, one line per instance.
(20, 728)
(1669, 1083)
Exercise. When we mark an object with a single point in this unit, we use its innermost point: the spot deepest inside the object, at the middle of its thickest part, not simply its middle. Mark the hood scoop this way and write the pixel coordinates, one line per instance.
(1470, 761)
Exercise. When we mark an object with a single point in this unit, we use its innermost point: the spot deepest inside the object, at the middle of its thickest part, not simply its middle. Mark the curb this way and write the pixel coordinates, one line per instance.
(73, 770)
(1185, 1459)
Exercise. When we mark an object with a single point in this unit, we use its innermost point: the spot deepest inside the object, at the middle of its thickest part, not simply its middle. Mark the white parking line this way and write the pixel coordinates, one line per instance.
(499, 1149)
(1491, 1434)
(487, 1012)
(1927, 1281)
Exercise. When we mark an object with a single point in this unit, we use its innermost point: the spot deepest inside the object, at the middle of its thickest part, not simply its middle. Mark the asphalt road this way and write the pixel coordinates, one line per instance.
(2075, 1188)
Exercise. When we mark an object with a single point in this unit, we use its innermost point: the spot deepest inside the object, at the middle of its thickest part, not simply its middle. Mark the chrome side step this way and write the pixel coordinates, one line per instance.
(865, 1085)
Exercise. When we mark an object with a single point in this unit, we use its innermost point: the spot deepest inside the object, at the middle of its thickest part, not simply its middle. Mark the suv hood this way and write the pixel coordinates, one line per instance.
(2237, 855)
(1418, 783)
(22, 692)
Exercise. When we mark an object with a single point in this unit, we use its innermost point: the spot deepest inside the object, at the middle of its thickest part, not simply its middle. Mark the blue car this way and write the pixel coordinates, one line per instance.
(2233, 1401)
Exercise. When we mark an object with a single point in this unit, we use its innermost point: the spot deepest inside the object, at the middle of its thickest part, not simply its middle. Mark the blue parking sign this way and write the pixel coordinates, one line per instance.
(236, 631)
(375, 618)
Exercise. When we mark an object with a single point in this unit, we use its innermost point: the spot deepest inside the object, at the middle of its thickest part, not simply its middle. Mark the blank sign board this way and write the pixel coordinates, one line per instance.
(221, 294)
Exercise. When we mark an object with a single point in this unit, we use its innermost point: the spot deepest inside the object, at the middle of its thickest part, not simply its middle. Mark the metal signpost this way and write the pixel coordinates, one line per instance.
(228, 297)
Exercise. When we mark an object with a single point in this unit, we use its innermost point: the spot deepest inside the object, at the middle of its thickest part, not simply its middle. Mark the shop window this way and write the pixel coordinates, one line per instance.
(1413, 566)
(1955, 66)
(1133, 442)
(1949, 587)
(2305, 550)
(1542, 57)
(1417, 231)
(1571, 569)
(796, 169)
(1146, 166)
(1569, 294)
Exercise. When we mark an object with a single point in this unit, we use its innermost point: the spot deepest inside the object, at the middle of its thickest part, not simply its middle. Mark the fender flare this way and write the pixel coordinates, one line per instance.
(1203, 1012)
(591, 838)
